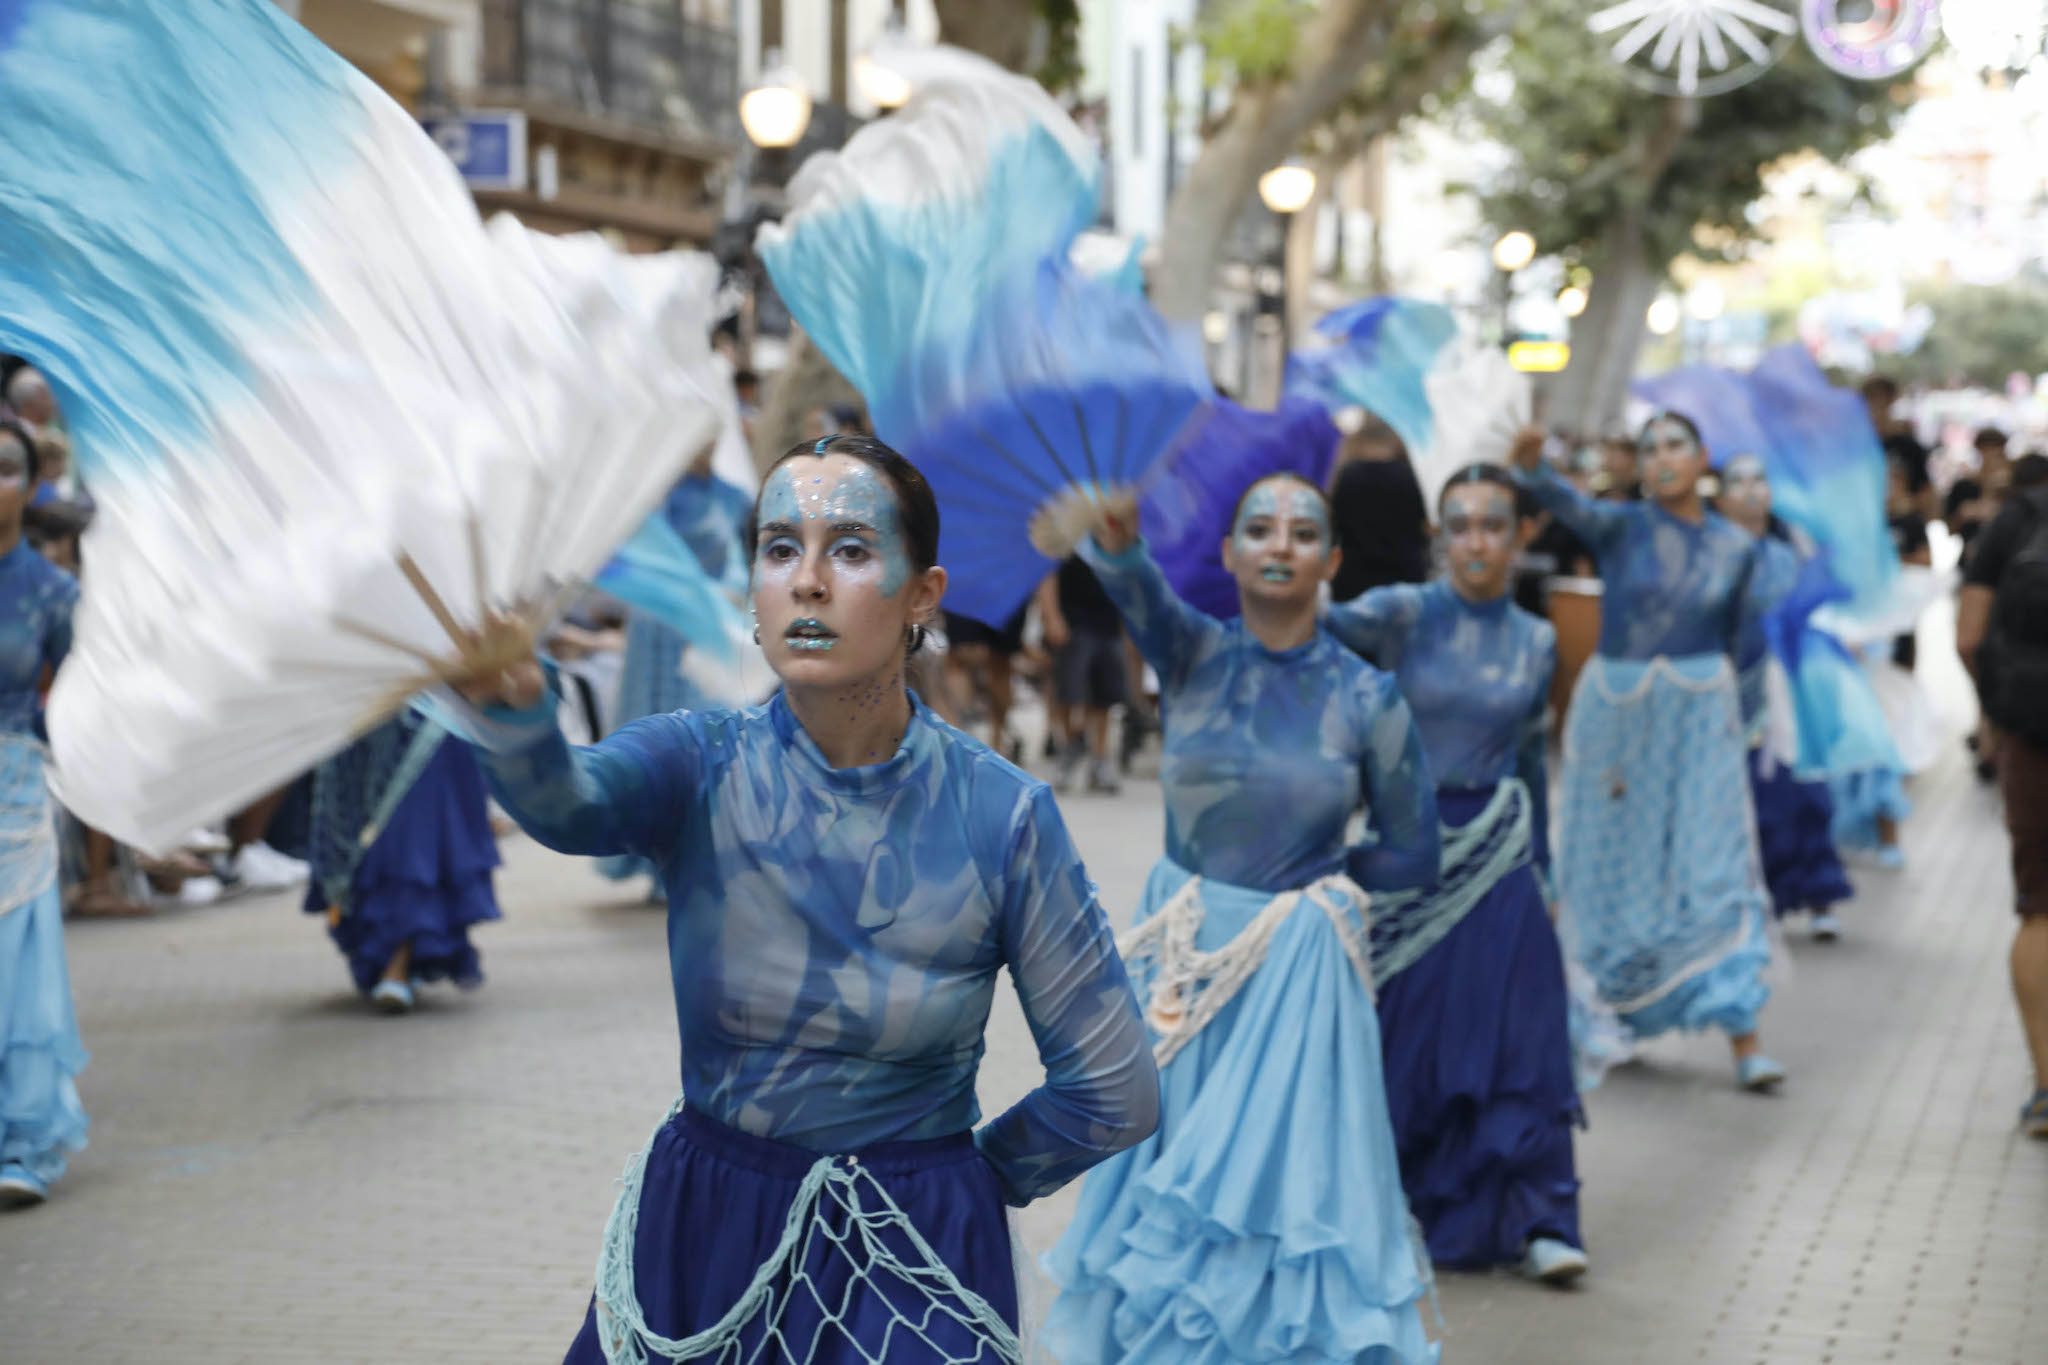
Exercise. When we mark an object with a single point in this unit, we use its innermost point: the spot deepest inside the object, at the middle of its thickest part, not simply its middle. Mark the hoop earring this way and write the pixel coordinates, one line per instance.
(914, 638)
(757, 635)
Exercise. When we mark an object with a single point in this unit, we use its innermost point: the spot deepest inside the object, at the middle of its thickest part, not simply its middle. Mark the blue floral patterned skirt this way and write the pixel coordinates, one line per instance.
(1662, 889)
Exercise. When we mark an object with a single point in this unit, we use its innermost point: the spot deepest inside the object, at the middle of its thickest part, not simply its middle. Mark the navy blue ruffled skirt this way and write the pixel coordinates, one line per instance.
(1477, 1039)
(713, 1205)
(425, 880)
(1795, 838)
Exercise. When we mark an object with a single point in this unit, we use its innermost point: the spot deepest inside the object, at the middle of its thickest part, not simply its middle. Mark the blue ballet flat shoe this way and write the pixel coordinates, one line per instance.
(1826, 928)
(392, 997)
(1891, 857)
(1758, 1073)
(21, 1188)
(1553, 1262)
(2034, 1118)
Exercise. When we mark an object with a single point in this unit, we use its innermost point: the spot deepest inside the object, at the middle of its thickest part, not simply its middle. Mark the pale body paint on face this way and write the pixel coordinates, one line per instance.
(1746, 493)
(1480, 529)
(1277, 513)
(856, 497)
(1669, 458)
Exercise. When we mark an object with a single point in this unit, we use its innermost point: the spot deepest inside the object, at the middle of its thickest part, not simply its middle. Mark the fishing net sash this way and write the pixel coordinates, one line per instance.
(841, 1212)
(356, 792)
(1189, 987)
(1476, 855)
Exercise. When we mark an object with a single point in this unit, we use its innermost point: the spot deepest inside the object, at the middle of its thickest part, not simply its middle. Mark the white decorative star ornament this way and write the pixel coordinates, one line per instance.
(1697, 47)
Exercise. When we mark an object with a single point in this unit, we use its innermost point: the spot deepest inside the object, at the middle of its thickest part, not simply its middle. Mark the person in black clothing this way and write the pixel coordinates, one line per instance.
(1377, 513)
(1909, 536)
(1086, 634)
(1880, 396)
(1973, 500)
(2002, 636)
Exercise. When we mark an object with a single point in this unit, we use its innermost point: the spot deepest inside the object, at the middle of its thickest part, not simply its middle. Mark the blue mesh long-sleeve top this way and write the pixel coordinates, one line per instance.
(1269, 753)
(1670, 587)
(36, 600)
(834, 934)
(1475, 674)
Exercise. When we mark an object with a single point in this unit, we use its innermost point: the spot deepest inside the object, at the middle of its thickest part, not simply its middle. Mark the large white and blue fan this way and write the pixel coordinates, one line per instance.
(929, 261)
(1452, 403)
(330, 420)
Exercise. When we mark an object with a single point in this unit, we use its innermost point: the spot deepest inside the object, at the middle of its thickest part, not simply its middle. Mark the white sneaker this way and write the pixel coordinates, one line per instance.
(262, 868)
(200, 891)
(1826, 927)
(1552, 1261)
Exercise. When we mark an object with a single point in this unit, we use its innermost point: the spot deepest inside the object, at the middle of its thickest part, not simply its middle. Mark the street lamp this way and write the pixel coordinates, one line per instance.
(1663, 316)
(1571, 300)
(1286, 190)
(778, 109)
(888, 87)
(1513, 251)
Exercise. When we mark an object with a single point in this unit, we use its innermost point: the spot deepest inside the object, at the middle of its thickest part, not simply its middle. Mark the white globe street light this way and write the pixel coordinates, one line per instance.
(1287, 188)
(1663, 316)
(1571, 301)
(1514, 250)
(778, 109)
(883, 84)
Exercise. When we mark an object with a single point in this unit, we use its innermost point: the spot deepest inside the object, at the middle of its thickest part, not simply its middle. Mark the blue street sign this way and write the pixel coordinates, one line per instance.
(487, 145)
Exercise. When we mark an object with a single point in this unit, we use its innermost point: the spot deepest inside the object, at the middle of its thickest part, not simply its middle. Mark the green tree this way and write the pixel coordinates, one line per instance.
(1981, 334)
(1321, 79)
(1606, 174)
(1040, 38)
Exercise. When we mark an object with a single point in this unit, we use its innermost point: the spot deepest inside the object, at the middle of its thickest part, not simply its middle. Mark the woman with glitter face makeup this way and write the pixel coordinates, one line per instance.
(1794, 817)
(1662, 897)
(1474, 1014)
(846, 875)
(1265, 1220)
(41, 1120)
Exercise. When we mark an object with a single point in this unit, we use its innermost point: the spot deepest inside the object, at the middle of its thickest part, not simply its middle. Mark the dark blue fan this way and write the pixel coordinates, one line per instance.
(929, 261)
(1185, 507)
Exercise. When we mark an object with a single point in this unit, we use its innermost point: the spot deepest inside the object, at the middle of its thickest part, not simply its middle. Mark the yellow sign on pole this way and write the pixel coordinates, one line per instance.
(1539, 357)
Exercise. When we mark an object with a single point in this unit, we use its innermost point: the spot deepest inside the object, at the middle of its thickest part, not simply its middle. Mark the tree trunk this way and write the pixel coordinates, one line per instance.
(1266, 125)
(1004, 31)
(806, 380)
(1592, 392)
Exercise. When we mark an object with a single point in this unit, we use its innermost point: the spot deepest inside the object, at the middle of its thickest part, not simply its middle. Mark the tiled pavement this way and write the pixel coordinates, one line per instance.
(277, 1176)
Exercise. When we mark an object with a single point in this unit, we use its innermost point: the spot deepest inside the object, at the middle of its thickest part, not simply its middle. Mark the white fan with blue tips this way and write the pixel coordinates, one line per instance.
(332, 423)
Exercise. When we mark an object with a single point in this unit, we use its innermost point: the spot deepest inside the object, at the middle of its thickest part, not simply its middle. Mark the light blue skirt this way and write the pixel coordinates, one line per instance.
(1662, 889)
(1264, 1221)
(41, 1119)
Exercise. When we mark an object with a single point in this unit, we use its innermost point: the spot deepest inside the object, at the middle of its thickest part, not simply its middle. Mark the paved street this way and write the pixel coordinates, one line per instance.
(276, 1175)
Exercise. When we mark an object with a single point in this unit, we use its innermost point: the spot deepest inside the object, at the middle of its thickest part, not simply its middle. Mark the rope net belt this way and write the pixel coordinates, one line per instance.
(843, 1215)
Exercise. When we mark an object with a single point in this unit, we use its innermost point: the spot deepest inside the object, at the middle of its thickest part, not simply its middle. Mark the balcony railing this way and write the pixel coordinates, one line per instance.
(638, 61)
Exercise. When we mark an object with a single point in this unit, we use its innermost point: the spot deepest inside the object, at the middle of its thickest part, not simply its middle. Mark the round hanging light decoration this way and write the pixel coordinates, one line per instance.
(1696, 47)
(1871, 40)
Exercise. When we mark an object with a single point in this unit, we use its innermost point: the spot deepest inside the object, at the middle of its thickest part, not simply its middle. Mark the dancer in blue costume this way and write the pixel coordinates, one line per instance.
(1474, 1014)
(402, 859)
(846, 876)
(1265, 1220)
(711, 517)
(41, 1120)
(1795, 815)
(1663, 899)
